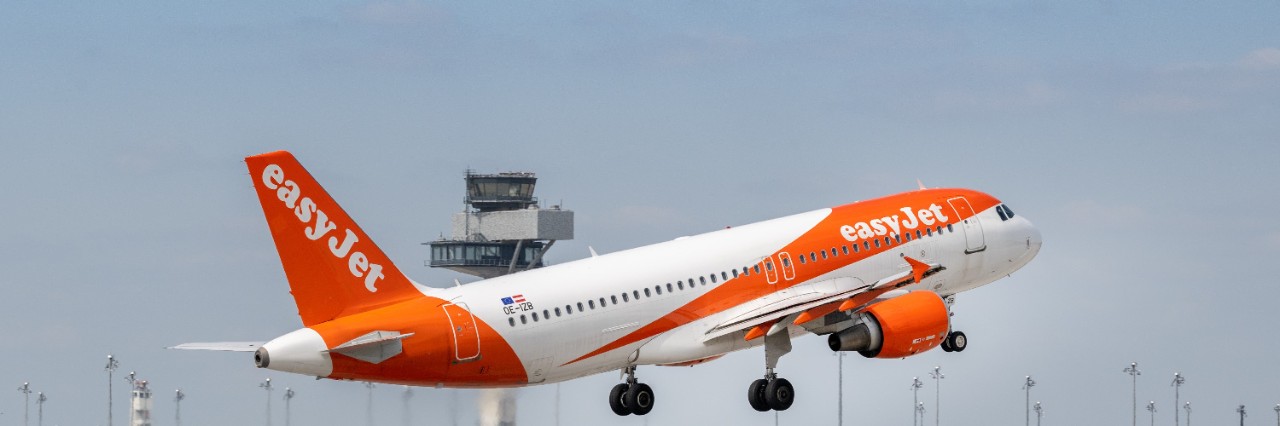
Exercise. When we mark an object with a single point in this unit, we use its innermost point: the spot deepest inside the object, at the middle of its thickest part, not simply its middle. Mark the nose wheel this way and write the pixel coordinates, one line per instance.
(631, 397)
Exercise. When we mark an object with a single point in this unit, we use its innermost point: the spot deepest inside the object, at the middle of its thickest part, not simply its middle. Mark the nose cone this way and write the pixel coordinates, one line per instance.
(301, 351)
(1033, 242)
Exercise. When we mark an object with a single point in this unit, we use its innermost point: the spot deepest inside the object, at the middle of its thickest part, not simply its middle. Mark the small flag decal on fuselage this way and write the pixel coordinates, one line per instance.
(519, 298)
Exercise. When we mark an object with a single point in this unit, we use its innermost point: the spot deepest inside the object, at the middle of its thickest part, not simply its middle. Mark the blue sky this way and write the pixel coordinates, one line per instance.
(1140, 137)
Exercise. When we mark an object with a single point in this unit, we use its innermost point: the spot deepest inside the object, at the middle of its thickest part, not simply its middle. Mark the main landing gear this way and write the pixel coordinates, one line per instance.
(772, 392)
(631, 397)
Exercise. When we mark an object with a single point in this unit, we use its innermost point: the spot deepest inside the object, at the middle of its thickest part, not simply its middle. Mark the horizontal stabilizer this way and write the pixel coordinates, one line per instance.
(373, 347)
(220, 346)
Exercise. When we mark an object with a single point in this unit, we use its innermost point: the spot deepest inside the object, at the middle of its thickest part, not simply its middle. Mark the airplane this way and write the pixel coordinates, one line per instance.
(878, 277)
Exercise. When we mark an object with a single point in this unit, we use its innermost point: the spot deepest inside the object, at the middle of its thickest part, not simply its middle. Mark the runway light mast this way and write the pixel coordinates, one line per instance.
(368, 413)
(1178, 380)
(288, 396)
(920, 411)
(131, 379)
(1277, 414)
(1242, 414)
(1151, 407)
(112, 364)
(406, 396)
(26, 401)
(1187, 406)
(40, 399)
(178, 396)
(1039, 412)
(937, 394)
(1027, 386)
(266, 385)
(1134, 372)
(916, 410)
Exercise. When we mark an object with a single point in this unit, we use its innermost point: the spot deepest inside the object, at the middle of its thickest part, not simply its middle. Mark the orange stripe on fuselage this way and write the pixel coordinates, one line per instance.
(823, 236)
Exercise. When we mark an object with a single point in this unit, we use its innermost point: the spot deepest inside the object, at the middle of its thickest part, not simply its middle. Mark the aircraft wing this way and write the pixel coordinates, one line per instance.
(220, 346)
(817, 300)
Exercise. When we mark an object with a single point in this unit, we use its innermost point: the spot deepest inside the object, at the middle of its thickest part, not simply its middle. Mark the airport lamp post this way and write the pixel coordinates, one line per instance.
(937, 394)
(839, 391)
(920, 411)
(369, 407)
(1277, 414)
(1187, 406)
(916, 384)
(1151, 407)
(1242, 414)
(1178, 380)
(1039, 412)
(131, 378)
(26, 401)
(1133, 371)
(112, 364)
(266, 385)
(1027, 387)
(178, 396)
(288, 396)
(40, 399)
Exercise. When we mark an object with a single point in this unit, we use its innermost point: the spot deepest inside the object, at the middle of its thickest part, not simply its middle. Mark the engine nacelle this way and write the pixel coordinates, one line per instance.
(899, 327)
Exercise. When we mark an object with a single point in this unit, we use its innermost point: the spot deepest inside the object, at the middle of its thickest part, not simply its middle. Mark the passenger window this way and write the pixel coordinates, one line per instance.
(746, 271)
(523, 320)
(812, 256)
(614, 299)
(724, 275)
(646, 292)
(908, 235)
(877, 243)
(557, 312)
(845, 249)
(801, 260)
(713, 278)
(833, 252)
(669, 290)
(735, 273)
(602, 304)
(535, 317)
(756, 269)
(897, 238)
(918, 234)
(703, 280)
(580, 307)
(786, 262)
(928, 231)
(592, 304)
(950, 229)
(512, 320)
(824, 255)
(887, 241)
(546, 314)
(635, 293)
(855, 247)
(568, 309)
(680, 285)
(867, 246)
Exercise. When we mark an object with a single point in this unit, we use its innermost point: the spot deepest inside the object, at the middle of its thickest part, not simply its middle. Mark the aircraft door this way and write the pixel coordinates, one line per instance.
(972, 226)
(466, 339)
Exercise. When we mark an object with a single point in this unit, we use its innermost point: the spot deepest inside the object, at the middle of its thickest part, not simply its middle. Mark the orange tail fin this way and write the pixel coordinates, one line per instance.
(334, 269)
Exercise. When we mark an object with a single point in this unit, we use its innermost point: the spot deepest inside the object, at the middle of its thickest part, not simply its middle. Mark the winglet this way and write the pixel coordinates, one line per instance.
(918, 268)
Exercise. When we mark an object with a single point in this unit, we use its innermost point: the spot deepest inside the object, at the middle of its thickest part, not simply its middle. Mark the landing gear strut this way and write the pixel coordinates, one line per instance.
(772, 392)
(631, 397)
(956, 340)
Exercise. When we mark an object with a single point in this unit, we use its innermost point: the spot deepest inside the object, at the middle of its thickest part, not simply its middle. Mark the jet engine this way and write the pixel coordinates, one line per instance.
(896, 328)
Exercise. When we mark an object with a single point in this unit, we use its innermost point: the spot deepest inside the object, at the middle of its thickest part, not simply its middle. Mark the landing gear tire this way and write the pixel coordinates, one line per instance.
(755, 395)
(618, 399)
(779, 394)
(956, 341)
(639, 399)
(946, 344)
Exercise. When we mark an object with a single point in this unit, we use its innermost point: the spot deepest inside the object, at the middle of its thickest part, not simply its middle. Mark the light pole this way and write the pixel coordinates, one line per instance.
(1039, 412)
(1277, 414)
(26, 401)
(937, 394)
(1178, 380)
(112, 364)
(288, 396)
(916, 405)
(920, 411)
(1027, 386)
(131, 378)
(40, 408)
(1133, 371)
(408, 394)
(1151, 407)
(1187, 406)
(1242, 414)
(839, 392)
(178, 396)
(266, 385)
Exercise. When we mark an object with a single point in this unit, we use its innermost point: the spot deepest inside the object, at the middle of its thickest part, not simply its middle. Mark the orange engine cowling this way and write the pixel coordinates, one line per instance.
(896, 328)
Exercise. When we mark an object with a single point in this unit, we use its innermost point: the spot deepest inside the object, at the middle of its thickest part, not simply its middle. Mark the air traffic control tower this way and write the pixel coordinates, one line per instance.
(501, 229)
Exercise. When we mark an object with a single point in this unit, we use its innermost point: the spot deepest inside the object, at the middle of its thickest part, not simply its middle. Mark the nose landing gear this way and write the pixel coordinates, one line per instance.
(631, 397)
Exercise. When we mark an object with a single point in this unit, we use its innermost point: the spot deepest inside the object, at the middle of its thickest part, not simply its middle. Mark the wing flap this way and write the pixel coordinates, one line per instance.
(219, 346)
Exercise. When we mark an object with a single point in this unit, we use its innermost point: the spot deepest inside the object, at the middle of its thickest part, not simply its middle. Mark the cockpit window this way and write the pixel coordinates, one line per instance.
(1008, 210)
(1000, 211)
